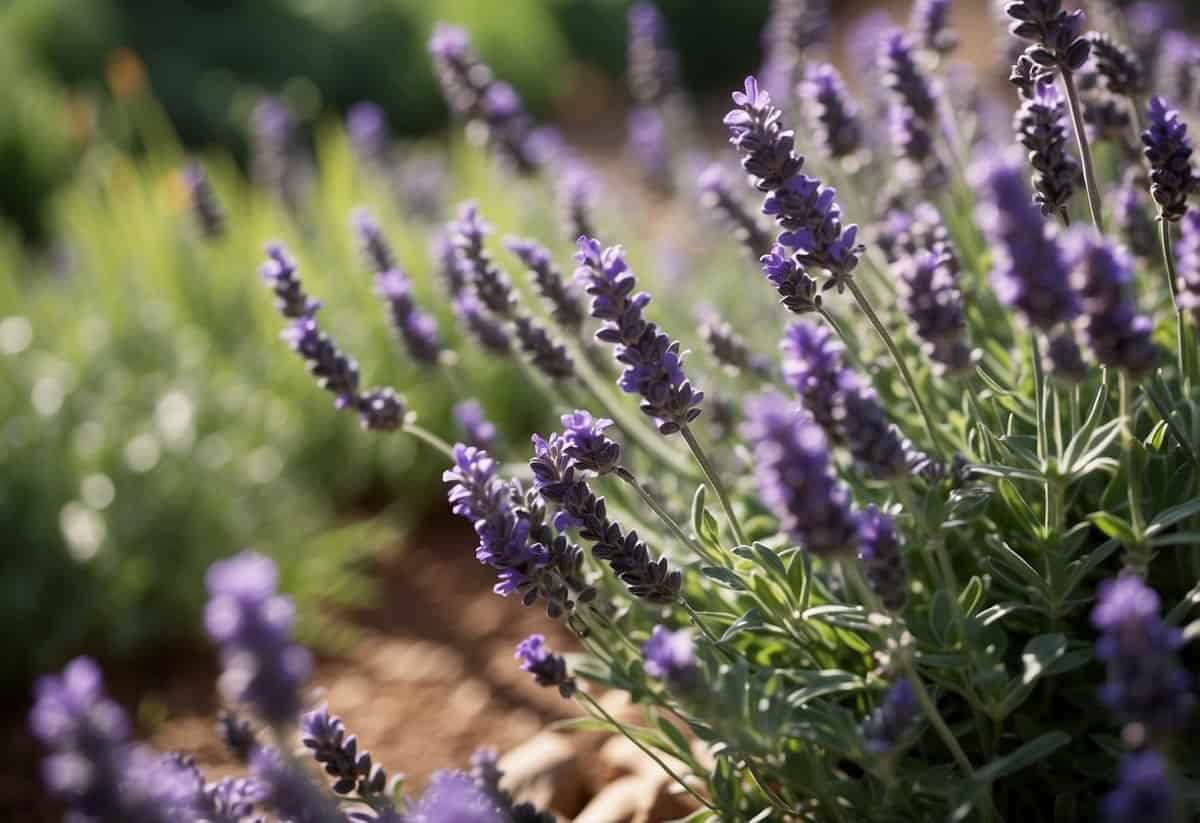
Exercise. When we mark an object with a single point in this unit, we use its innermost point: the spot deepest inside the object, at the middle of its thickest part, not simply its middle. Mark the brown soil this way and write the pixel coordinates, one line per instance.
(428, 679)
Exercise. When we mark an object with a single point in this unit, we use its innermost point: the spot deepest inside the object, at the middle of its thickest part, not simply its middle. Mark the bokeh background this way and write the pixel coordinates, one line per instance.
(150, 419)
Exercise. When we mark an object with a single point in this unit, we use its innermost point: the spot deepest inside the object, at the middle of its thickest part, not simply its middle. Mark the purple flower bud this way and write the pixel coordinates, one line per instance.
(252, 625)
(1029, 269)
(205, 207)
(889, 723)
(1053, 31)
(1118, 67)
(715, 195)
(1103, 275)
(881, 558)
(1147, 688)
(477, 430)
(351, 767)
(901, 73)
(653, 364)
(548, 669)
(729, 349)
(1040, 126)
(274, 159)
(547, 355)
(930, 24)
(490, 283)
(671, 656)
(486, 329)
(797, 290)
(558, 295)
(236, 734)
(795, 478)
(447, 264)
(577, 195)
(417, 329)
(1144, 793)
(367, 128)
(375, 248)
(653, 66)
(755, 129)
(280, 274)
(586, 443)
(833, 114)
(1169, 153)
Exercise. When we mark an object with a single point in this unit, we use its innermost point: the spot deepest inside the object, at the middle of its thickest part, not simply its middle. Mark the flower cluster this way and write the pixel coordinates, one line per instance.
(559, 296)
(653, 364)
(671, 656)
(491, 107)
(834, 115)
(914, 107)
(653, 66)
(1188, 286)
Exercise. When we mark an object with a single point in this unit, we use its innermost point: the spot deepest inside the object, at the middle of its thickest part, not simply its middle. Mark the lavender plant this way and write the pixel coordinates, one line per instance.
(948, 575)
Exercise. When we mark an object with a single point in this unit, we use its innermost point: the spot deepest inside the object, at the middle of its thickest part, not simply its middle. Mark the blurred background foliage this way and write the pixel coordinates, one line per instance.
(150, 418)
(208, 60)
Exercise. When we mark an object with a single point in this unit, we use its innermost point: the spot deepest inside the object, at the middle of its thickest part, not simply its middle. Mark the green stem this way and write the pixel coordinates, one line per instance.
(591, 702)
(1164, 233)
(905, 374)
(1085, 151)
(429, 438)
(1043, 436)
(938, 723)
(1132, 480)
(718, 487)
(649, 499)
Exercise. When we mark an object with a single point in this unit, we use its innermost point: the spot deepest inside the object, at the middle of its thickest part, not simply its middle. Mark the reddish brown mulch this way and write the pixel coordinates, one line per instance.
(430, 677)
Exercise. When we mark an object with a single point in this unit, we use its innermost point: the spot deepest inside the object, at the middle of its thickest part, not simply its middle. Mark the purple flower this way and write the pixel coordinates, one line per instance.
(931, 24)
(274, 149)
(280, 274)
(653, 66)
(648, 147)
(873, 441)
(547, 355)
(1144, 793)
(1131, 215)
(715, 195)
(901, 74)
(833, 113)
(930, 297)
(490, 283)
(795, 478)
(352, 769)
(477, 430)
(289, 792)
(1029, 269)
(881, 558)
(812, 363)
(1178, 56)
(577, 195)
(1169, 153)
(889, 723)
(482, 324)
(252, 625)
(560, 481)
(1118, 67)
(1040, 126)
(490, 107)
(548, 669)
(1147, 688)
(652, 361)
(416, 328)
(205, 207)
(671, 656)
(453, 797)
(367, 128)
(1188, 284)
(588, 445)
(755, 130)
(236, 734)
(794, 30)
(1053, 31)
(729, 349)
(798, 291)
(375, 247)
(1117, 335)
(92, 766)
(447, 264)
(558, 295)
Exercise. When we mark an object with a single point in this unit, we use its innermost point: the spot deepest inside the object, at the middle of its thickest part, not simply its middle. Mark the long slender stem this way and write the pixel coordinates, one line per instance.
(649, 499)
(429, 438)
(905, 374)
(718, 487)
(1085, 151)
(1132, 480)
(590, 701)
(939, 724)
(1043, 436)
(1164, 233)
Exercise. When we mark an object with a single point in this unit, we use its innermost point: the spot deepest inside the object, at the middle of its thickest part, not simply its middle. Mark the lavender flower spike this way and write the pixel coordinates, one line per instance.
(729, 349)
(1041, 129)
(833, 113)
(1054, 32)
(1029, 269)
(1169, 153)
(715, 195)
(586, 443)
(812, 365)
(1147, 688)
(755, 130)
(881, 558)
(205, 206)
(491, 284)
(1144, 793)
(375, 248)
(795, 478)
(548, 669)
(653, 363)
(931, 25)
(1118, 336)
(577, 193)
(367, 128)
(252, 625)
(1188, 285)
(671, 656)
(452, 797)
(653, 66)
(417, 329)
(931, 299)
(561, 299)
(325, 735)
(289, 792)
(886, 727)
(798, 291)
(477, 429)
